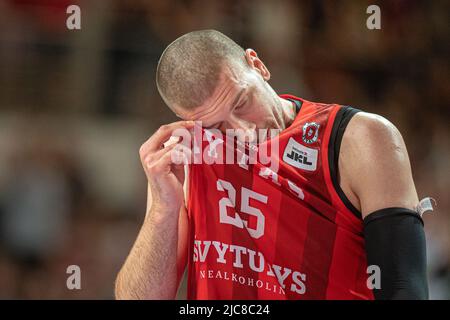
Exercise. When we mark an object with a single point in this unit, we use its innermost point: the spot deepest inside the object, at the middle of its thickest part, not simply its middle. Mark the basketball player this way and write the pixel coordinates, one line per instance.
(339, 218)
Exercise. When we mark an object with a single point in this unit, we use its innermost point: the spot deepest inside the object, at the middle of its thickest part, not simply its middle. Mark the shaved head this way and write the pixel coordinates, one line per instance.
(189, 69)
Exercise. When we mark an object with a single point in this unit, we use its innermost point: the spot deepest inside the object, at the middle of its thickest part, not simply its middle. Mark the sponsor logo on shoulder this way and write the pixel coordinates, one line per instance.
(310, 132)
(299, 156)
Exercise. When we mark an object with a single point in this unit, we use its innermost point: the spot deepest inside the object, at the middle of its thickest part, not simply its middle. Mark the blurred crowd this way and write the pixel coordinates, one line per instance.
(75, 105)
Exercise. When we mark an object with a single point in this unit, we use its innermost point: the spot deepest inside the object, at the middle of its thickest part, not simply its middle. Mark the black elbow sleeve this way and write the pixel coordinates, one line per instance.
(395, 242)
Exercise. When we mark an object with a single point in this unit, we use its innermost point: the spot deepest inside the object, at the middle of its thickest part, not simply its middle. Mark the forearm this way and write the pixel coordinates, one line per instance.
(150, 271)
(395, 242)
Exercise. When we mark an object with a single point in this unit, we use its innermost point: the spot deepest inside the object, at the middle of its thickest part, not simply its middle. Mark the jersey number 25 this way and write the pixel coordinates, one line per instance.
(230, 201)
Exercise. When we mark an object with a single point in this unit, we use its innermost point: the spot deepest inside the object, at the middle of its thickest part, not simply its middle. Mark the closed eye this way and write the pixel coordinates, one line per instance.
(240, 106)
(215, 126)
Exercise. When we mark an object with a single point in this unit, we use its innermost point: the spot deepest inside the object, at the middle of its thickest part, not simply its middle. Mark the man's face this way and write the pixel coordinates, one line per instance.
(242, 100)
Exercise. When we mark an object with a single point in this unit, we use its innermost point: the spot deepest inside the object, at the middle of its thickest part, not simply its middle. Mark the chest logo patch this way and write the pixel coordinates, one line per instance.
(299, 156)
(310, 132)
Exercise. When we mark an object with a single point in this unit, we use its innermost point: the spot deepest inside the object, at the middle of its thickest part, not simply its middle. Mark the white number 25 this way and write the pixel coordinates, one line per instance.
(246, 195)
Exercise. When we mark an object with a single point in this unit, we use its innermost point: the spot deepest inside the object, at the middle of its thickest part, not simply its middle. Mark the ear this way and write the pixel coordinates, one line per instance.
(255, 63)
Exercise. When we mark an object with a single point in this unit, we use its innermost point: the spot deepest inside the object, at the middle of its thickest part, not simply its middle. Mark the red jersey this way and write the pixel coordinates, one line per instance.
(256, 233)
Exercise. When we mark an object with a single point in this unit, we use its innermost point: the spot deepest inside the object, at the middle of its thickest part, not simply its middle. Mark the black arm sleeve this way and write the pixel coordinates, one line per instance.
(395, 242)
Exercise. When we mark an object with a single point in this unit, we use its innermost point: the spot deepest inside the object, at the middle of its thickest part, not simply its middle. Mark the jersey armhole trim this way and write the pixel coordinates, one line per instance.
(298, 104)
(343, 117)
(186, 187)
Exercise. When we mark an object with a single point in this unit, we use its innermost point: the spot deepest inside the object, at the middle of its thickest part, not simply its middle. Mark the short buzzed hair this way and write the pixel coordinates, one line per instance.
(189, 68)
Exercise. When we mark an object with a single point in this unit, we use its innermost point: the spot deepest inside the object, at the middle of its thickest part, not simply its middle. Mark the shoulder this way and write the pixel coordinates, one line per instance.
(375, 163)
(368, 130)
(372, 141)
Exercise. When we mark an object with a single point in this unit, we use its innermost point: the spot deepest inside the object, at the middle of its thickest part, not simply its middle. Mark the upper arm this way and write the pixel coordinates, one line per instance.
(374, 163)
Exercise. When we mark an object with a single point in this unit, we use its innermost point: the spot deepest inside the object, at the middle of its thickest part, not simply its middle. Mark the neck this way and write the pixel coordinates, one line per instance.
(288, 112)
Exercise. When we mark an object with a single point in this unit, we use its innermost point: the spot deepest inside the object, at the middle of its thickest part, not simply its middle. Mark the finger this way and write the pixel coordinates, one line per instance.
(156, 141)
(178, 171)
(164, 164)
(154, 156)
(183, 155)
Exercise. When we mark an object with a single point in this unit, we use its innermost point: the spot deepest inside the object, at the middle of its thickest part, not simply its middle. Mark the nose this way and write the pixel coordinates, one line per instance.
(243, 130)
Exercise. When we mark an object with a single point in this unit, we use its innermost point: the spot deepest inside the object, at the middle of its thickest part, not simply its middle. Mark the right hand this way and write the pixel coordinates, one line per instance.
(164, 177)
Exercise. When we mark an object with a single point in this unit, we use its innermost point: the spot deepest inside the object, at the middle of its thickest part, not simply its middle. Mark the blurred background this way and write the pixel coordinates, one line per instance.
(75, 106)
